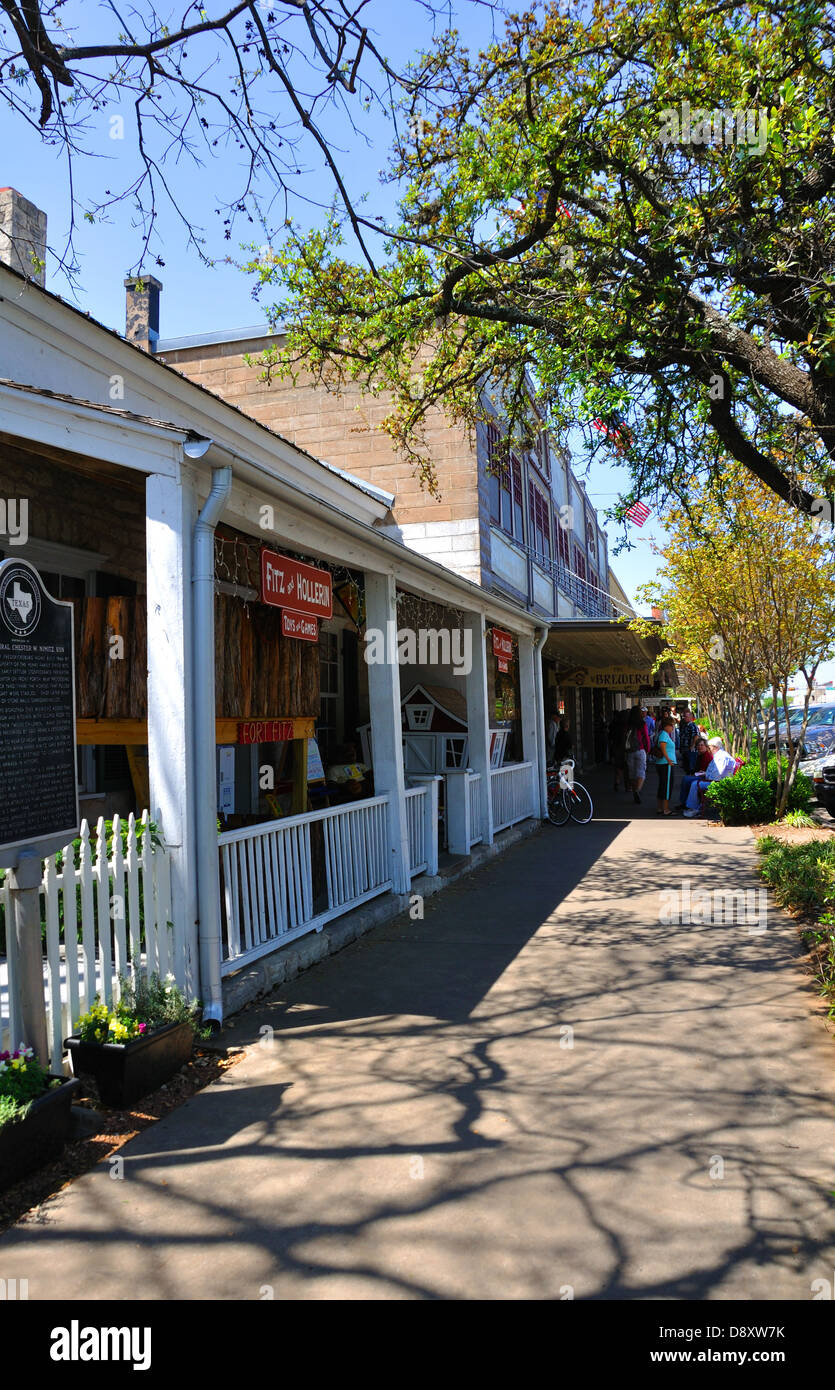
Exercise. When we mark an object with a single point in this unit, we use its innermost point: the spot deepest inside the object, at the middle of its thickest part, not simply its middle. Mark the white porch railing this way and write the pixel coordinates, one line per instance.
(100, 920)
(476, 818)
(511, 788)
(285, 878)
(415, 797)
(422, 820)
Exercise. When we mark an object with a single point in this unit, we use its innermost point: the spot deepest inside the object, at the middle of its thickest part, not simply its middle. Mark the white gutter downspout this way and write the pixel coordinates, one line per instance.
(539, 643)
(205, 774)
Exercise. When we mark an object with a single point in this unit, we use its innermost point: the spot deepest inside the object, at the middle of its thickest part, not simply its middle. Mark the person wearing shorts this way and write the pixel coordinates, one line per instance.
(665, 762)
(637, 751)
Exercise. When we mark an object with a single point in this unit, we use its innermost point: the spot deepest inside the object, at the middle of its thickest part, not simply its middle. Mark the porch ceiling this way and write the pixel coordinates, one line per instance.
(604, 642)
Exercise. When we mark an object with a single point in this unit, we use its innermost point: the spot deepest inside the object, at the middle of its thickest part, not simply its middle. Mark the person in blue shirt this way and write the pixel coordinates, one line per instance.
(650, 721)
(665, 762)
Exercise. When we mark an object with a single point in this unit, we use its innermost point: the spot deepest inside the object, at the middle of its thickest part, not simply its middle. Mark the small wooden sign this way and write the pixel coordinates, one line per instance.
(266, 731)
(300, 626)
(289, 584)
(502, 646)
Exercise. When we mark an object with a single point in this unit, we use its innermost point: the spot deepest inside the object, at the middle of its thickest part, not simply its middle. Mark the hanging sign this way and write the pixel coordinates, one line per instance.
(299, 625)
(608, 677)
(289, 584)
(502, 664)
(39, 801)
(502, 647)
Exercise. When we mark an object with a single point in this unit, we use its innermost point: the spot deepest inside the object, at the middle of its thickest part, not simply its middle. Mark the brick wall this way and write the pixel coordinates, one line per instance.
(343, 430)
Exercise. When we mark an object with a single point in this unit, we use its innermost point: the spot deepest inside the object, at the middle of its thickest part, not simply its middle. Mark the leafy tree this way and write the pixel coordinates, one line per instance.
(631, 205)
(749, 596)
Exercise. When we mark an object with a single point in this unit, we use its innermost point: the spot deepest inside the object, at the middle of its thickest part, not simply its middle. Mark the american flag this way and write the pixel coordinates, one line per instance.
(638, 513)
(615, 430)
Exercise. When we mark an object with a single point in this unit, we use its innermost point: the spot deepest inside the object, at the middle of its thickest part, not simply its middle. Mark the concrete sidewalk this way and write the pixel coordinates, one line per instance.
(539, 1090)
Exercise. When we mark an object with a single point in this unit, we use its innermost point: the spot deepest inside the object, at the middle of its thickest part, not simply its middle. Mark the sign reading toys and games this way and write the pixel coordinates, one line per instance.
(38, 789)
(304, 592)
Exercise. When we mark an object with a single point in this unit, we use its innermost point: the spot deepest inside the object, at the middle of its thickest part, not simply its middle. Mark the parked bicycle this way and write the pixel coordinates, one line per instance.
(567, 798)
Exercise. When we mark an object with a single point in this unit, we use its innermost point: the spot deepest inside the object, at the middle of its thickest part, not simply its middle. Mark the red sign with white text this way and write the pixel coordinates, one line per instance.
(299, 625)
(289, 584)
(502, 645)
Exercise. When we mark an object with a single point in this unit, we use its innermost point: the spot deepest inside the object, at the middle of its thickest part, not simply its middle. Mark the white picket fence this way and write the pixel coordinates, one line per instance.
(288, 877)
(511, 788)
(105, 902)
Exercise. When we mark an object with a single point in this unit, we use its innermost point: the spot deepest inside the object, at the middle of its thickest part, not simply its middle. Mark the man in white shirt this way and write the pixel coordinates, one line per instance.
(723, 764)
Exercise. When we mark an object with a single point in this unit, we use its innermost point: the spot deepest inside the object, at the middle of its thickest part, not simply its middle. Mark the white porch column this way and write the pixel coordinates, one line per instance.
(386, 726)
(171, 509)
(478, 719)
(533, 737)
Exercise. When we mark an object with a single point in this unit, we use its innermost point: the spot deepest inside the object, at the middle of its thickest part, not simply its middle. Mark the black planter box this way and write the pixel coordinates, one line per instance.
(40, 1136)
(125, 1071)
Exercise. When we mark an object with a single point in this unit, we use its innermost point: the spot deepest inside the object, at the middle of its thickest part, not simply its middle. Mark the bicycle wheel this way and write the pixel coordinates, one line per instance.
(580, 804)
(557, 804)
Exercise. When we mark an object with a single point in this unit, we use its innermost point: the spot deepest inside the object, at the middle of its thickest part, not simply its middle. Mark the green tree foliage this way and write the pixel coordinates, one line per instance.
(629, 204)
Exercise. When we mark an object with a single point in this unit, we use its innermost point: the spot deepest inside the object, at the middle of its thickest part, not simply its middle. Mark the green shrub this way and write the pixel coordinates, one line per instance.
(803, 878)
(802, 875)
(750, 799)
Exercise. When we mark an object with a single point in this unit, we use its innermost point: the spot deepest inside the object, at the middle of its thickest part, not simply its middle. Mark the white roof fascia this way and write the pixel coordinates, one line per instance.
(63, 329)
(81, 429)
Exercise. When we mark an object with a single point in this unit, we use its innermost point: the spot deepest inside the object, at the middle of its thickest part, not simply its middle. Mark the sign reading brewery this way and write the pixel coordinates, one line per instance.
(289, 584)
(608, 677)
(39, 798)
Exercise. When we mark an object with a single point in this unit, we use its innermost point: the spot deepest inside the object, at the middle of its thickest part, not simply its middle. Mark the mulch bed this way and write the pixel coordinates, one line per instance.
(27, 1201)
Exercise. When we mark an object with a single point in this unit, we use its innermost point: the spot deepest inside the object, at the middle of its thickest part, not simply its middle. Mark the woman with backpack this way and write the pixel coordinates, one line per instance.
(637, 751)
(664, 750)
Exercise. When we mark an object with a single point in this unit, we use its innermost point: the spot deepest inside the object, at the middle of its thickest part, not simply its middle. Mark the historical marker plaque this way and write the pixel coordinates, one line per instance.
(38, 789)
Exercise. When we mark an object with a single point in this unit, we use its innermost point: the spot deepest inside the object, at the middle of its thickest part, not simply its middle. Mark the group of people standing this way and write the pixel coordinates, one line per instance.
(670, 739)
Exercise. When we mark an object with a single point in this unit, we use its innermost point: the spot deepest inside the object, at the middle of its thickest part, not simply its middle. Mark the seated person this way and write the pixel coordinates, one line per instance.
(704, 757)
(723, 764)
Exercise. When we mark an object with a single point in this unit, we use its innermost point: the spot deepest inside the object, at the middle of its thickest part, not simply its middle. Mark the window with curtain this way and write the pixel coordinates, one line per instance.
(540, 524)
(504, 481)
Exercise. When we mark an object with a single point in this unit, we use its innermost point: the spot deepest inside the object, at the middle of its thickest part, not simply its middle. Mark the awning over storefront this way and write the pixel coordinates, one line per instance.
(604, 654)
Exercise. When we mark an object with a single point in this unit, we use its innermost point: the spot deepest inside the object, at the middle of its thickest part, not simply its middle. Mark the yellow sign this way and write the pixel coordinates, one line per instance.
(608, 677)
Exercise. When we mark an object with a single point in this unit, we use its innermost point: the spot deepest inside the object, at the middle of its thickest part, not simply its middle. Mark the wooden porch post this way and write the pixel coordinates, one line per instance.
(386, 728)
(171, 510)
(478, 719)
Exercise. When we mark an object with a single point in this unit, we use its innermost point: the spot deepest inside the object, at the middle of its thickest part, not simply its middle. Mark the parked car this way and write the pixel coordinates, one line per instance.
(820, 730)
(824, 779)
(820, 733)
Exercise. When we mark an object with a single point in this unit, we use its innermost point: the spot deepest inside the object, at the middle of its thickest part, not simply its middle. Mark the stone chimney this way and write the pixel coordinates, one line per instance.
(22, 235)
(142, 311)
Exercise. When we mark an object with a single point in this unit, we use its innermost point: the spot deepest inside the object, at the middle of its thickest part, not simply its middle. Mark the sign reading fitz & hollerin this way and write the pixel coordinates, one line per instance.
(38, 789)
